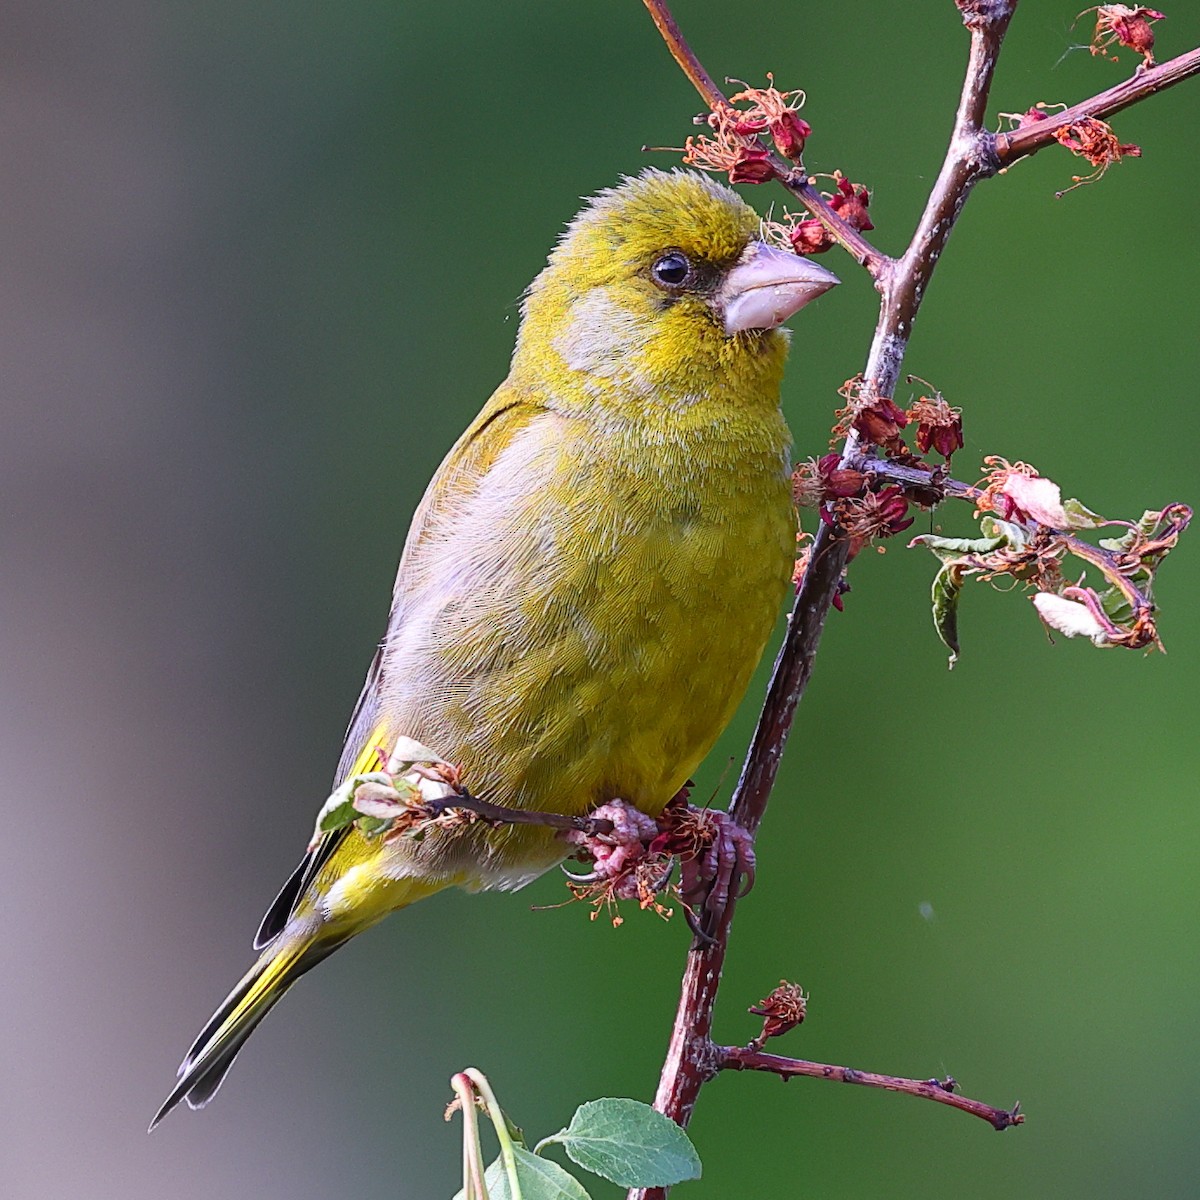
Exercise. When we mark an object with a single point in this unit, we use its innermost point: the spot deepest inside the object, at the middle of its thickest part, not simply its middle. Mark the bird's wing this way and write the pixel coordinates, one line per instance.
(367, 735)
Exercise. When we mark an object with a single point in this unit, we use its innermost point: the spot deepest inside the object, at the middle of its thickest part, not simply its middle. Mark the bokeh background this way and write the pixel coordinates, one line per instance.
(259, 264)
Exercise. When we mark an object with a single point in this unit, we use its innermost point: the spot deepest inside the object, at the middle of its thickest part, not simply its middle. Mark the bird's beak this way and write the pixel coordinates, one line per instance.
(767, 286)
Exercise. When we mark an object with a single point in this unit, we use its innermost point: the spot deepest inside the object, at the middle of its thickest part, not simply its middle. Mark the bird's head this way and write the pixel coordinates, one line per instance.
(660, 286)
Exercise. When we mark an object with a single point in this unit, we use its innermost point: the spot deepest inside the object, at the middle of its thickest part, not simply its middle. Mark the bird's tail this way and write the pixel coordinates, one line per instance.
(213, 1052)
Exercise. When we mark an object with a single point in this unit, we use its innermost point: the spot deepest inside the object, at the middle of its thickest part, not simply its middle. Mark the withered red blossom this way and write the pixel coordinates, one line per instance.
(872, 515)
(790, 132)
(774, 111)
(742, 157)
(876, 419)
(821, 479)
(850, 203)
(782, 1010)
(810, 237)
(1125, 25)
(938, 425)
(753, 165)
(880, 422)
(1094, 140)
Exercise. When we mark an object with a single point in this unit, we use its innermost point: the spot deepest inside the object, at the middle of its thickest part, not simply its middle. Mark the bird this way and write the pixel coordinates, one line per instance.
(589, 580)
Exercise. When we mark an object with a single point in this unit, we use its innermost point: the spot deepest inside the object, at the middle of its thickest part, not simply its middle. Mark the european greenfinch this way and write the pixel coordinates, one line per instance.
(589, 580)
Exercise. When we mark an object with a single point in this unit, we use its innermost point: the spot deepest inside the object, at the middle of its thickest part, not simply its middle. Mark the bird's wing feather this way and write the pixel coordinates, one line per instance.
(505, 415)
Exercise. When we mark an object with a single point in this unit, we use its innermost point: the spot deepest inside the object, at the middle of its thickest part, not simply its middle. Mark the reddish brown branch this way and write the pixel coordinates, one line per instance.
(692, 1058)
(973, 154)
(737, 1058)
(1009, 147)
(683, 54)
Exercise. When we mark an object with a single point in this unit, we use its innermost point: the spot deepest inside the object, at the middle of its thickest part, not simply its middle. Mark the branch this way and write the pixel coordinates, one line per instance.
(689, 1061)
(793, 178)
(500, 814)
(974, 153)
(1021, 143)
(737, 1058)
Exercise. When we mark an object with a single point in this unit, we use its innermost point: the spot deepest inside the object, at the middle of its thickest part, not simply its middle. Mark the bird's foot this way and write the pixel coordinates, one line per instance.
(635, 860)
(716, 862)
(625, 864)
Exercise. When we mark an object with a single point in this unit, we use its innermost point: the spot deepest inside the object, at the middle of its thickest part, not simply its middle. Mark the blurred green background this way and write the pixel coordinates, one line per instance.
(259, 264)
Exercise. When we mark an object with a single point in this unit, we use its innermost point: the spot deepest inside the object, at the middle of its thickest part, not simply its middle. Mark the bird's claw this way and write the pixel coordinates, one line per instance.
(721, 868)
(636, 859)
(615, 855)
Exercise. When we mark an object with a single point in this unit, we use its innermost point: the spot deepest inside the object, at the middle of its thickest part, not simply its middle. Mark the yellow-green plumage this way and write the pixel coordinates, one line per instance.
(588, 583)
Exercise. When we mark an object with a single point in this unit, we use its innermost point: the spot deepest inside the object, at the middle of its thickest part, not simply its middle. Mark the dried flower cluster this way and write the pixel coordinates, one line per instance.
(772, 111)
(807, 235)
(782, 1010)
(735, 147)
(1088, 138)
(1027, 540)
(1124, 25)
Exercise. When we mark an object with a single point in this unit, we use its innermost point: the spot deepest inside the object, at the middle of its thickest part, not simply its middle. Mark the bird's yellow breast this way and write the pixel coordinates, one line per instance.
(584, 599)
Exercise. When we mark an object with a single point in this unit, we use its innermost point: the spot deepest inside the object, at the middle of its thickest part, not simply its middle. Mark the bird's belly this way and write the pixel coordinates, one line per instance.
(612, 673)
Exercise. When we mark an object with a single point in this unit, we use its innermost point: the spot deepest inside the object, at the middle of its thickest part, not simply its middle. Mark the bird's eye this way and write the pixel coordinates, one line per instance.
(671, 270)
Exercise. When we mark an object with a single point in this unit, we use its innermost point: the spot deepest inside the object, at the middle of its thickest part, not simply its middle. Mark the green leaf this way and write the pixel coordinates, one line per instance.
(1116, 606)
(538, 1179)
(336, 817)
(628, 1143)
(339, 809)
(1081, 517)
(1012, 533)
(949, 549)
(947, 588)
(1146, 527)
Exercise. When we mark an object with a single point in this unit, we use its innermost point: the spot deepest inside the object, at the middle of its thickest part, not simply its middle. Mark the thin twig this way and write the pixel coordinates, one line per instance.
(793, 178)
(738, 1058)
(1021, 143)
(499, 814)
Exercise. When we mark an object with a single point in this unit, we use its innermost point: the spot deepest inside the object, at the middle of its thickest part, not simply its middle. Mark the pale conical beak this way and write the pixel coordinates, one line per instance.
(767, 286)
